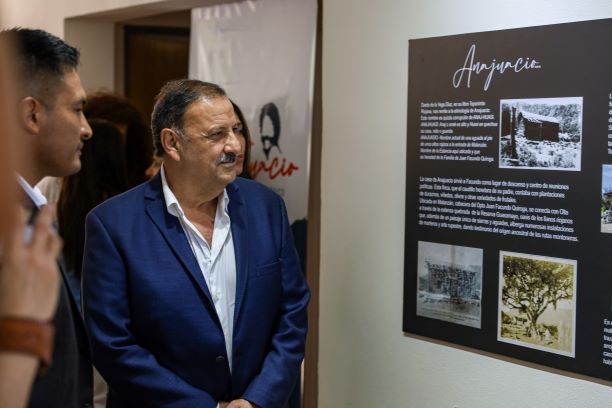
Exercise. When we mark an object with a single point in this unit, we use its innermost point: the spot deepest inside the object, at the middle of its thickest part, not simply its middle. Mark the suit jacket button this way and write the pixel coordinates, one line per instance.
(220, 360)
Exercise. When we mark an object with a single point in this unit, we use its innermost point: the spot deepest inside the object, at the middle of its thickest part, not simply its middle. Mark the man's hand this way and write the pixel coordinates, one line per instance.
(29, 276)
(240, 403)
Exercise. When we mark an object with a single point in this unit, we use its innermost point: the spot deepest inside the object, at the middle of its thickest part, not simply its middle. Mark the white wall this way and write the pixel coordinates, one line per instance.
(90, 26)
(93, 36)
(96, 41)
(365, 360)
(50, 14)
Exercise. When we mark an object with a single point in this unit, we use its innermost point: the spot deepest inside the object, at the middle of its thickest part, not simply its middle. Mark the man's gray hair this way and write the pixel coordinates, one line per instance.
(173, 101)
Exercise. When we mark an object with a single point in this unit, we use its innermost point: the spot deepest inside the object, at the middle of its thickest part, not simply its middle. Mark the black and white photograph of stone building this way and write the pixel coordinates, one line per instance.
(449, 283)
(541, 133)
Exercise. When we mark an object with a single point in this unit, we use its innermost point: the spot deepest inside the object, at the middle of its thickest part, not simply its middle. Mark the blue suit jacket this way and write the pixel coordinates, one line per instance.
(156, 337)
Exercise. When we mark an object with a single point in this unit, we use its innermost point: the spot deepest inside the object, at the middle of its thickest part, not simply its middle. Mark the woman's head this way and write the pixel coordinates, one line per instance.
(135, 133)
(246, 170)
(102, 175)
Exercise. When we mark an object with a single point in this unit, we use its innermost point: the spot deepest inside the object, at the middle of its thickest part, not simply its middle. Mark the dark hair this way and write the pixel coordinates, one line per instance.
(172, 102)
(268, 142)
(246, 169)
(102, 176)
(271, 111)
(42, 60)
(138, 148)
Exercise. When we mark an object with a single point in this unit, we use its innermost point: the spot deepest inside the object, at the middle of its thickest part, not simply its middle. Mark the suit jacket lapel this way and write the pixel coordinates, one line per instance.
(172, 231)
(238, 217)
(31, 207)
(80, 330)
(62, 267)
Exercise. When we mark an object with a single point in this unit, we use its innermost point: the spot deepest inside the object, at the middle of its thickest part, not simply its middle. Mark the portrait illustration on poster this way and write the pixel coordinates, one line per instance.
(273, 164)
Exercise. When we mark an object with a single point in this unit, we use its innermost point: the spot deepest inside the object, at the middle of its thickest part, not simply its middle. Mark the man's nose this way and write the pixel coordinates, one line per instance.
(233, 140)
(86, 132)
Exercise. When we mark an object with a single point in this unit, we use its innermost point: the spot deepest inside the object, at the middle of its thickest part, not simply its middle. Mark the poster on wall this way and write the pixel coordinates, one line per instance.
(262, 53)
(509, 194)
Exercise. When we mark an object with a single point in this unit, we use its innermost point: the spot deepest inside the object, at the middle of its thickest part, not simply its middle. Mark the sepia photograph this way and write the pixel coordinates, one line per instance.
(449, 283)
(537, 302)
(541, 133)
(606, 199)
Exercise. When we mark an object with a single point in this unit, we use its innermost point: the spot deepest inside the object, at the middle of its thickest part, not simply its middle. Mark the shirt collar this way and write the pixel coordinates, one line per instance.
(172, 204)
(33, 192)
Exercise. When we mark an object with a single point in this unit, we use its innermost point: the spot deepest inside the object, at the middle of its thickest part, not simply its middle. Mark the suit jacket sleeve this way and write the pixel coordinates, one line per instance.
(281, 366)
(131, 370)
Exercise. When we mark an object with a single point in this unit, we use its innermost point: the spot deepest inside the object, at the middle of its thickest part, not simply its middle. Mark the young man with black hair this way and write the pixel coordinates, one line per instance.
(51, 123)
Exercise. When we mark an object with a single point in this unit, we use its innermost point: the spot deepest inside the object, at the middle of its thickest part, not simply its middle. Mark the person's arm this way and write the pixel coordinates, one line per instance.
(130, 370)
(281, 366)
(29, 290)
(17, 373)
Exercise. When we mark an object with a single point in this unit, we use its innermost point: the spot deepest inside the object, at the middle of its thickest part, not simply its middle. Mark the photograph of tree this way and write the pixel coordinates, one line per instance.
(449, 283)
(537, 302)
(606, 199)
(541, 134)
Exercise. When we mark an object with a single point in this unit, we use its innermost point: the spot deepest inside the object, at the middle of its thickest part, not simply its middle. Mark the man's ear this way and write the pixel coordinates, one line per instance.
(171, 142)
(30, 114)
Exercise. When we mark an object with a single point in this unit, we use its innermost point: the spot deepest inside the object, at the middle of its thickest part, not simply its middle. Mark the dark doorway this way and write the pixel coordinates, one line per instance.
(153, 56)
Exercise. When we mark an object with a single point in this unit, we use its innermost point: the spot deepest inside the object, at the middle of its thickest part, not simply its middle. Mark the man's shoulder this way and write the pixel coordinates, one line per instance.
(250, 189)
(124, 202)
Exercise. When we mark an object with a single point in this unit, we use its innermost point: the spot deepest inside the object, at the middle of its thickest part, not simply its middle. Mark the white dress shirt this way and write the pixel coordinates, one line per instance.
(37, 198)
(217, 263)
(33, 192)
(51, 188)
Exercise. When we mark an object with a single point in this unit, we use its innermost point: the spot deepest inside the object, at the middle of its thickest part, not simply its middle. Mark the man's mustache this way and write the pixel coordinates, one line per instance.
(227, 158)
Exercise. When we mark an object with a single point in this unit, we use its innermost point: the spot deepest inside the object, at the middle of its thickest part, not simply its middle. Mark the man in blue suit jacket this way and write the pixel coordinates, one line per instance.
(192, 291)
